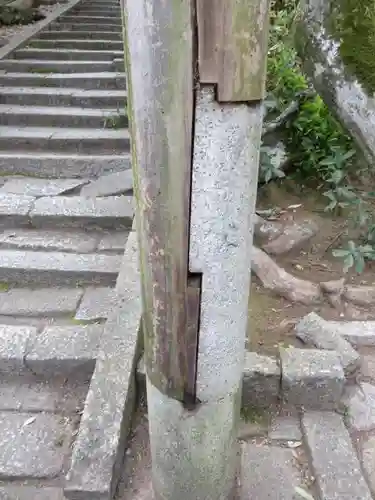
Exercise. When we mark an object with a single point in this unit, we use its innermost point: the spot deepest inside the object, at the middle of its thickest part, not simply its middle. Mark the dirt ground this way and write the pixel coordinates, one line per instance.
(272, 318)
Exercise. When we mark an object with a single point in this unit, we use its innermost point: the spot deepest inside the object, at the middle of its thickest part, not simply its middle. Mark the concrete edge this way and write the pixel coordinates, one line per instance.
(20, 39)
(106, 421)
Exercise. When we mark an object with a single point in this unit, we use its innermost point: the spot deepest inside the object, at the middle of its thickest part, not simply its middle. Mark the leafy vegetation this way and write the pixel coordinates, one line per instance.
(10, 16)
(319, 150)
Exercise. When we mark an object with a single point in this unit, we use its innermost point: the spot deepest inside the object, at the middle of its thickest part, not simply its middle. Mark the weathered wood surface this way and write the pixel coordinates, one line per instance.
(210, 27)
(243, 58)
(159, 61)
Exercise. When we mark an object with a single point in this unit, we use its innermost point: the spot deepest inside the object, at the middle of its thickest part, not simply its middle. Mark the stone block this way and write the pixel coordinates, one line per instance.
(268, 472)
(360, 403)
(33, 239)
(13, 346)
(317, 332)
(286, 428)
(43, 302)
(40, 187)
(58, 268)
(261, 381)
(64, 349)
(109, 185)
(30, 493)
(99, 448)
(113, 242)
(14, 209)
(32, 445)
(311, 378)
(78, 211)
(334, 461)
(368, 461)
(96, 304)
(358, 333)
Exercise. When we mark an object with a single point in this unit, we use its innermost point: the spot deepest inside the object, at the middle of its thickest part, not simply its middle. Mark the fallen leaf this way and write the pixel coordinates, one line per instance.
(295, 206)
(29, 421)
(303, 493)
(294, 444)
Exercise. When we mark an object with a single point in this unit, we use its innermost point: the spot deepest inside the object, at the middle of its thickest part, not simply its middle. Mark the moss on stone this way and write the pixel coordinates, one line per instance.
(352, 23)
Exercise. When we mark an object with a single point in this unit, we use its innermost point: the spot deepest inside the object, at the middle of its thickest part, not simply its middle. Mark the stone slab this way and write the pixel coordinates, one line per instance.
(358, 333)
(360, 403)
(261, 381)
(268, 472)
(40, 187)
(64, 349)
(334, 461)
(311, 378)
(29, 445)
(40, 302)
(109, 185)
(113, 242)
(14, 209)
(286, 428)
(30, 493)
(63, 241)
(315, 331)
(105, 424)
(13, 345)
(95, 304)
(78, 211)
(57, 268)
(368, 461)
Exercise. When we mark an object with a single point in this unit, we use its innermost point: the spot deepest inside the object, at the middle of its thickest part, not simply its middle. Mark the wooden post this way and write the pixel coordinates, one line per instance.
(195, 188)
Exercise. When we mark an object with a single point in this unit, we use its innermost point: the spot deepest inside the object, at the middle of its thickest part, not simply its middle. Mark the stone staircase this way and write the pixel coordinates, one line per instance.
(66, 209)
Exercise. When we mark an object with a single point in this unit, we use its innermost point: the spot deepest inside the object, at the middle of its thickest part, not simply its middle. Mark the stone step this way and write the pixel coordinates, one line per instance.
(45, 66)
(98, 20)
(75, 140)
(60, 165)
(89, 81)
(57, 268)
(42, 96)
(102, 13)
(68, 55)
(85, 26)
(112, 212)
(76, 34)
(99, 44)
(48, 116)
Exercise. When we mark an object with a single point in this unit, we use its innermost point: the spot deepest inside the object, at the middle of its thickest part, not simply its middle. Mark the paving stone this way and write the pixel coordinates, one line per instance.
(57, 268)
(113, 242)
(268, 472)
(31, 186)
(360, 402)
(64, 349)
(315, 331)
(96, 304)
(334, 460)
(14, 209)
(31, 445)
(368, 461)
(368, 367)
(311, 378)
(30, 493)
(33, 239)
(106, 420)
(71, 211)
(109, 185)
(261, 381)
(39, 302)
(13, 345)
(285, 429)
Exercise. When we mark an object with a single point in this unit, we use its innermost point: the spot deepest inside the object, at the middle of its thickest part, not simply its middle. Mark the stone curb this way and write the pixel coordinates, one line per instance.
(307, 378)
(20, 39)
(106, 421)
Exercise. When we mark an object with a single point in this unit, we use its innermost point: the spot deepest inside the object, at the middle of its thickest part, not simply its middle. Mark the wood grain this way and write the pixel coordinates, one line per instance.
(159, 61)
(210, 28)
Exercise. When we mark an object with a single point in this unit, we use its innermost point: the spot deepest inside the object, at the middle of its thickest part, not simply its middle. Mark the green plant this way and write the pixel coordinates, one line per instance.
(268, 168)
(354, 255)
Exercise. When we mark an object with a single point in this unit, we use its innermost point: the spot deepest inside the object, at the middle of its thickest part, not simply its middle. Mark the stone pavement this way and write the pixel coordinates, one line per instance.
(66, 210)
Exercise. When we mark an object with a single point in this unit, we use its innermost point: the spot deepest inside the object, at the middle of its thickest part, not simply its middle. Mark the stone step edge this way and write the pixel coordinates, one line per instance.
(60, 350)
(21, 39)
